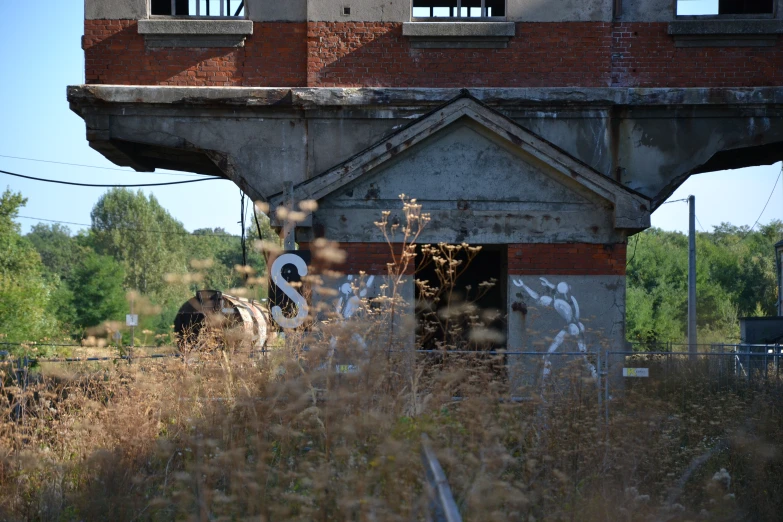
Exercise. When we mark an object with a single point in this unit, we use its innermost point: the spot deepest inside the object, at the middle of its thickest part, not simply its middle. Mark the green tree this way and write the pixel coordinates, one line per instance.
(141, 235)
(735, 277)
(97, 289)
(25, 313)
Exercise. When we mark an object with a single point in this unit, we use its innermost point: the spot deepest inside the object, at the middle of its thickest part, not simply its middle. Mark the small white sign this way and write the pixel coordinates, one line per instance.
(132, 320)
(636, 372)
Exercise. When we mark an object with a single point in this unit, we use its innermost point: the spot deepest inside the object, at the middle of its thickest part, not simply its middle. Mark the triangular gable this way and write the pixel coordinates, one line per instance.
(631, 210)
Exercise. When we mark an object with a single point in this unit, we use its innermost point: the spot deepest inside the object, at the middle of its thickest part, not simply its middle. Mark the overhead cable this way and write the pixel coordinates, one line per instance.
(134, 229)
(97, 167)
(138, 185)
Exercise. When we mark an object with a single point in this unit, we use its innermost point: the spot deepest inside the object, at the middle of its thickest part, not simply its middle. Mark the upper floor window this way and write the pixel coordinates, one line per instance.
(211, 8)
(724, 7)
(458, 9)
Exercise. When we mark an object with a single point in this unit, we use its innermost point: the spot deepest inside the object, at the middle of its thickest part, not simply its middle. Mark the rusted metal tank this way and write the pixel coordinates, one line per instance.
(212, 319)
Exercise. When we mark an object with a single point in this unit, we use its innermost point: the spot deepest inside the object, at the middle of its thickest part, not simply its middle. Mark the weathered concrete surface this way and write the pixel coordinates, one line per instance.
(288, 11)
(648, 139)
(559, 10)
(115, 9)
(487, 181)
(516, 10)
(647, 10)
(600, 301)
(361, 10)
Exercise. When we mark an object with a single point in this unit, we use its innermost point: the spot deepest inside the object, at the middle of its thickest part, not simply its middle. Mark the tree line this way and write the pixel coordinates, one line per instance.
(735, 277)
(55, 284)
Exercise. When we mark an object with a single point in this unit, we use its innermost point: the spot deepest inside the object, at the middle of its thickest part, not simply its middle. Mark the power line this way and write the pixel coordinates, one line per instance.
(96, 167)
(699, 222)
(59, 182)
(768, 200)
(185, 233)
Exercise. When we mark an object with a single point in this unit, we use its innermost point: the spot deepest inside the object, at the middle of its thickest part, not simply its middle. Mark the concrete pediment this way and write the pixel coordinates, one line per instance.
(465, 157)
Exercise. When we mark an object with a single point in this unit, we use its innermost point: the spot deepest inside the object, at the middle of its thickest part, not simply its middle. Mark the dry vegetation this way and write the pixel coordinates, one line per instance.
(221, 435)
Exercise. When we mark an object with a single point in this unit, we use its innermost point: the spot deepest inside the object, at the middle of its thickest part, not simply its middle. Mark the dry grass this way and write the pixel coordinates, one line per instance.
(219, 435)
(282, 438)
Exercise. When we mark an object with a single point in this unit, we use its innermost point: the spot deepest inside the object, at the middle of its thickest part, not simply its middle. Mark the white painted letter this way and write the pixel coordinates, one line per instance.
(296, 297)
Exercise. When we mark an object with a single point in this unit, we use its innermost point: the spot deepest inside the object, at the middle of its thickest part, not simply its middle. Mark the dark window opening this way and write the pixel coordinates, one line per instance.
(459, 8)
(448, 318)
(745, 6)
(163, 7)
(724, 7)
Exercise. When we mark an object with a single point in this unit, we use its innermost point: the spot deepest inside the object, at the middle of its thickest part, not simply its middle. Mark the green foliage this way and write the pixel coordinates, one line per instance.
(142, 235)
(97, 291)
(59, 252)
(25, 295)
(146, 240)
(735, 277)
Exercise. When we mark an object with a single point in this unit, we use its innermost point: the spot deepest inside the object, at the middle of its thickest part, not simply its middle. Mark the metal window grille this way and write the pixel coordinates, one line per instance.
(459, 8)
(211, 8)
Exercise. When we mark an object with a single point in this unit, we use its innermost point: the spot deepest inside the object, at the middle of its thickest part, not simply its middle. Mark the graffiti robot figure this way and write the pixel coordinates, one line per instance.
(348, 304)
(567, 307)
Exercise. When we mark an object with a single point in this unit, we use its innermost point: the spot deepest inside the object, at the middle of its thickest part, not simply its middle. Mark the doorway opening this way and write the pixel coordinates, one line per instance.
(465, 310)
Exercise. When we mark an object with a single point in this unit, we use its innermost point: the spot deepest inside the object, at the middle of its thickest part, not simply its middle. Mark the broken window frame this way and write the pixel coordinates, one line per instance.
(213, 9)
(723, 16)
(458, 6)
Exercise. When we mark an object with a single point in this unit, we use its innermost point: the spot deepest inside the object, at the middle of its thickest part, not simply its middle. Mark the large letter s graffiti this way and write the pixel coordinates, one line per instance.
(288, 290)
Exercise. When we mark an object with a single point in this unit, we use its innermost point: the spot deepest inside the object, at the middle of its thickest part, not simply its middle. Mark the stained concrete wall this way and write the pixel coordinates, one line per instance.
(601, 304)
(559, 10)
(516, 10)
(478, 188)
(115, 9)
(361, 10)
(400, 10)
(287, 11)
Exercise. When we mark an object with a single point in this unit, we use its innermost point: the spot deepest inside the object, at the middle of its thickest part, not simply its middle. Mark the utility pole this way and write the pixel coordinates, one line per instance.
(692, 341)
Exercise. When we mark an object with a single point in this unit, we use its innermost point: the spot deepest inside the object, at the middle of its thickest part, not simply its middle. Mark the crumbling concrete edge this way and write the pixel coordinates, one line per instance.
(305, 97)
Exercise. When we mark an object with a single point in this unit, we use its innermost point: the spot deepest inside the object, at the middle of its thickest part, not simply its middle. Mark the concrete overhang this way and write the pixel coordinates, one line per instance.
(649, 140)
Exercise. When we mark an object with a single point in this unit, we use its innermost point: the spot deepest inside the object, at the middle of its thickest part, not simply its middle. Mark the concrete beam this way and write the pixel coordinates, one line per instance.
(195, 27)
(557, 97)
(458, 29)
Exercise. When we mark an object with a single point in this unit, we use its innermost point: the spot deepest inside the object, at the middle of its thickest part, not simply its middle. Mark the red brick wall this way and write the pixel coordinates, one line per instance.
(371, 258)
(523, 259)
(348, 54)
(566, 259)
(115, 53)
(644, 55)
(376, 54)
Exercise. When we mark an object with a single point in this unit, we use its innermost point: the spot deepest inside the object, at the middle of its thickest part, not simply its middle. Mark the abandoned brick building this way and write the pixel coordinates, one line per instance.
(546, 131)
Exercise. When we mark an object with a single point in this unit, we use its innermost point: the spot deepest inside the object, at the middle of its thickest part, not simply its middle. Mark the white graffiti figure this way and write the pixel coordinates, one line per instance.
(349, 303)
(566, 307)
(346, 307)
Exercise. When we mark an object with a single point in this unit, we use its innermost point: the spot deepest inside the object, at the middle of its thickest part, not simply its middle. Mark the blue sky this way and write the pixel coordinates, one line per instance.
(40, 44)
